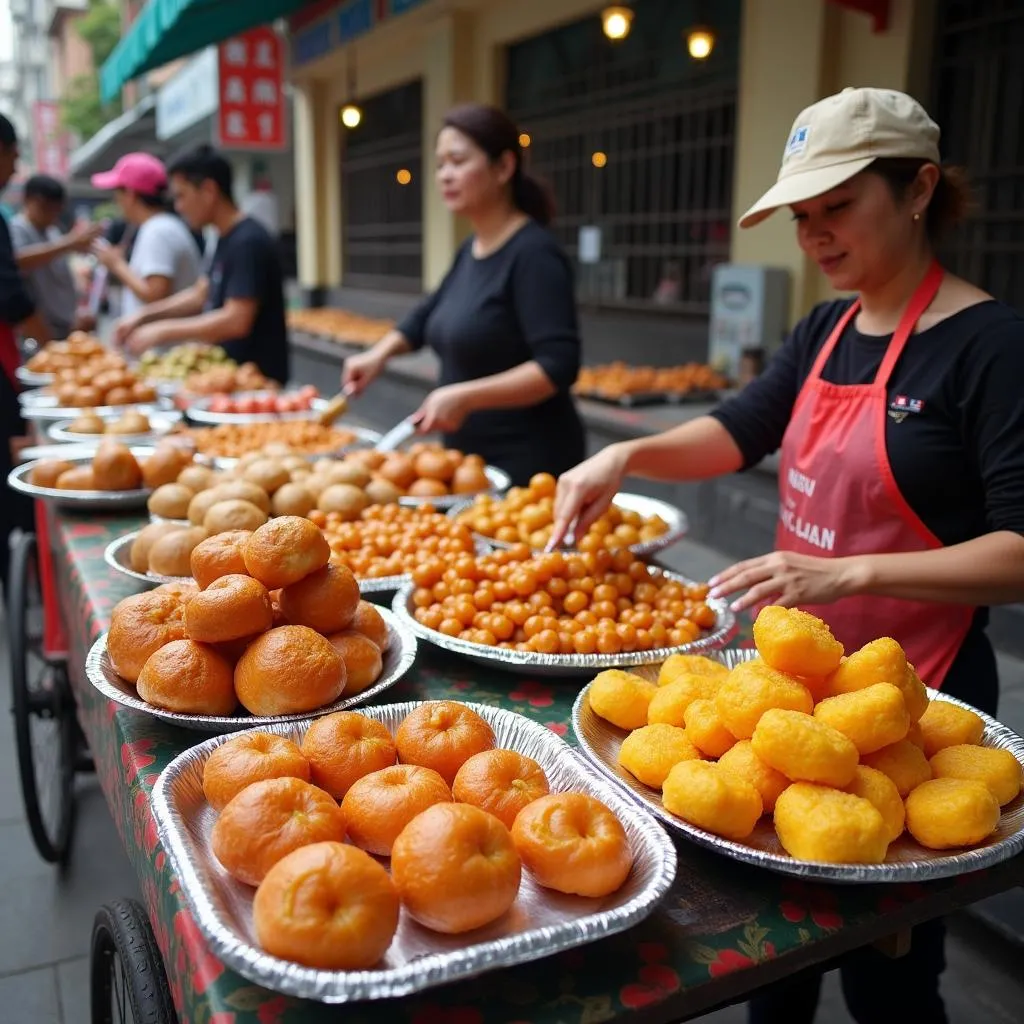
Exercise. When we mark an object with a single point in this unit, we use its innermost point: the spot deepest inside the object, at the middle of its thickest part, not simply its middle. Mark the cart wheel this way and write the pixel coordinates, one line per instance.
(126, 973)
(44, 713)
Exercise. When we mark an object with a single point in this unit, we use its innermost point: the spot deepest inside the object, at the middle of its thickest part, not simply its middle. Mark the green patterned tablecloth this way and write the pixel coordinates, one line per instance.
(724, 930)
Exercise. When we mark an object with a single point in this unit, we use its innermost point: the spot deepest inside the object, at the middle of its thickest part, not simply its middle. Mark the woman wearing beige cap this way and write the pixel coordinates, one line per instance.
(901, 430)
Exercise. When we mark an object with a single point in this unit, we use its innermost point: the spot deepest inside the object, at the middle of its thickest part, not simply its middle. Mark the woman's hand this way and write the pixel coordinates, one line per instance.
(787, 579)
(109, 255)
(146, 337)
(445, 409)
(123, 330)
(586, 491)
(360, 371)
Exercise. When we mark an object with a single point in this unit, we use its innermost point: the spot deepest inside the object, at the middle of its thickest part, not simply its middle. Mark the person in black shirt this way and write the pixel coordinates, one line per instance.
(503, 320)
(240, 303)
(901, 430)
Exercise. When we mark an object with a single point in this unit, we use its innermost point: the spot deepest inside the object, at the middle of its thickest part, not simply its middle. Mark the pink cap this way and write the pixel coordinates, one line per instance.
(139, 172)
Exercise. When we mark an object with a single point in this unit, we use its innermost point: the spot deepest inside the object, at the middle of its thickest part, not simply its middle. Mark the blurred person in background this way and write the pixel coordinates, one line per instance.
(42, 252)
(240, 304)
(164, 258)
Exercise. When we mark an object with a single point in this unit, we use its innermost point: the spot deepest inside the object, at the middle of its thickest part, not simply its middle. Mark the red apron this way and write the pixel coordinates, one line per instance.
(838, 497)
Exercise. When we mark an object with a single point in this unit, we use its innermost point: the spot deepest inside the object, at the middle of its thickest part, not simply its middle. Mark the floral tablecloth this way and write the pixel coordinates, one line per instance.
(723, 930)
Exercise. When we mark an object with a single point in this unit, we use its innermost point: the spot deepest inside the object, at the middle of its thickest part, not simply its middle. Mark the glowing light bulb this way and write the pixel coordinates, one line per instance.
(525, 140)
(351, 115)
(616, 22)
(404, 176)
(599, 159)
(700, 42)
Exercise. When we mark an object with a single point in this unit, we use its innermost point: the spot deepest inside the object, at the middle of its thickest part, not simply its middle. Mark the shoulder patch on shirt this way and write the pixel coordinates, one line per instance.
(901, 406)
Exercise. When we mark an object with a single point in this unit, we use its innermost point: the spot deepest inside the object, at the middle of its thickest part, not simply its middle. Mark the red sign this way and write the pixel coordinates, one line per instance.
(52, 145)
(251, 91)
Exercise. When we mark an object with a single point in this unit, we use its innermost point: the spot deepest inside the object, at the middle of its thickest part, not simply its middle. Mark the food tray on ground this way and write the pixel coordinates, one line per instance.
(566, 664)
(45, 408)
(199, 411)
(906, 861)
(365, 438)
(673, 517)
(161, 424)
(398, 659)
(540, 923)
(33, 380)
(80, 500)
(500, 482)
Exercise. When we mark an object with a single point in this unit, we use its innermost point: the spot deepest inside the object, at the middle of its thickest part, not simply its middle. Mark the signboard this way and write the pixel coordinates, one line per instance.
(251, 93)
(52, 145)
(324, 25)
(189, 97)
(749, 310)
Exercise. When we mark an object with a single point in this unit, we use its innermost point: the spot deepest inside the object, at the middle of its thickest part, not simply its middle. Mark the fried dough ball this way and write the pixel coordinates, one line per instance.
(201, 504)
(115, 469)
(751, 689)
(81, 478)
(140, 625)
(826, 825)
(292, 499)
(879, 790)
(47, 472)
(188, 678)
(147, 537)
(165, 465)
(652, 751)
(621, 698)
(796, 642)
(669, 704)
(217, 556)
(267, 474)
(325, 600)
(904, 763)
(230, 608)
(368, 621)
(690, 664)
(244, 490)
(872, 718)
(741, 760)
(705, 728)
(196, 478)
(804, 749)
(362, 658)
(943, 814)
(170, 501)
(285, 550)
(233, 514)
(881, 661)
(996, 768)
(948, 725)
(713, 799)
(171, 555)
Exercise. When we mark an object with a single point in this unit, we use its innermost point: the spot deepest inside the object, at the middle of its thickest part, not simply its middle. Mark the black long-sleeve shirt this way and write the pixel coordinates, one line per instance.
(16, 304)
(493, 314)
(954, 436)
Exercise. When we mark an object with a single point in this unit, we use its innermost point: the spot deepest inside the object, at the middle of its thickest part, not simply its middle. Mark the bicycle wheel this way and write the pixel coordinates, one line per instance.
(126, 972)
(44, 713)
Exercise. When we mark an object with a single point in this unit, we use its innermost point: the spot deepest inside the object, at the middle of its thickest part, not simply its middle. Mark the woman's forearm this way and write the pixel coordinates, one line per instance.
(984, 571)
(697, 450)
(394, 343)
(518, 388)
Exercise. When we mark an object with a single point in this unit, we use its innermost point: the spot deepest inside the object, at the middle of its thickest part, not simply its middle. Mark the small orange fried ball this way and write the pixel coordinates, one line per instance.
(816, 823)
(996, 768)
(904, 763)
(741, 760)
(652, 751)
(873, 717)
(881, 791)
(751, 689)
(804, 749)
(621, 698)
(716, 800)
(669, 704)
(943, 814)
(690, 664)
(796, 642)
(948, 725)
(705, 729)
(881, 661)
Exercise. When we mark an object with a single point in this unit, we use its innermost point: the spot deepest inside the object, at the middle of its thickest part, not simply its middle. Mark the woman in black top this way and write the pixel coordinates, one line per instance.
(901, 430)
(503, 320)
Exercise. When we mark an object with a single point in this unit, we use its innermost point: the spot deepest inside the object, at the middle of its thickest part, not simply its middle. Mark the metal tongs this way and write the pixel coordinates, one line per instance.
(397, 435)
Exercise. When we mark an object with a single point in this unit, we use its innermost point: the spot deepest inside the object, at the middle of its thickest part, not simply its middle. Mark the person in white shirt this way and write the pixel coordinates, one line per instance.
(165, 258)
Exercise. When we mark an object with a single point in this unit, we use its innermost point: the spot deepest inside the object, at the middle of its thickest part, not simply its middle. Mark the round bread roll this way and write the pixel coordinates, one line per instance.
(188, 678)
(197, 478)
(348, 473)
(369, 621)
(201, 504)
(47, 472)
(218, 556)
(233, 514)
(86, 396)
(292, 500)
(245, 490)
(131, 422)
(147, 537)
(230, 608)
(382, 492)
(171, 555)
(181, 590)
(140, 625)
(143, 392)
(345, 499)
(81, 478)
(434, 465)
(266, 473)
(119, 396)
(164, 465)
(325, 600)
(87, 423)
(426, 487)
(285, 550)
(362, 657)
(115, 469)
(170, 501)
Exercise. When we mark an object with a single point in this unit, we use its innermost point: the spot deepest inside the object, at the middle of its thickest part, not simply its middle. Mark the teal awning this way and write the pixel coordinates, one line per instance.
(168, 29)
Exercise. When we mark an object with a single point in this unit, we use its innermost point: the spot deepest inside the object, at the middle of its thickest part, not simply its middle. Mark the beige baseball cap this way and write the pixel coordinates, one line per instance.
(839, 137)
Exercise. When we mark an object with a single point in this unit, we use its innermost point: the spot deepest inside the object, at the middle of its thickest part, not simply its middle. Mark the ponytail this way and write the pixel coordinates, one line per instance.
(533, 197)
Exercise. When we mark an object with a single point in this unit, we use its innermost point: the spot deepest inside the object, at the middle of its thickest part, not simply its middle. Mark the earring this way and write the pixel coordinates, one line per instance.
(917, 216)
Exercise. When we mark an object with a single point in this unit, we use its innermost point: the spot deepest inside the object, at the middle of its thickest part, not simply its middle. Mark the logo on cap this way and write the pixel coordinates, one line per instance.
(798, 140)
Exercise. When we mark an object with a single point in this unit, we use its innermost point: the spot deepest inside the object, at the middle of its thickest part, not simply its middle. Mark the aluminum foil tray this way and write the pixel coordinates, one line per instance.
(199, 411)
(80, 500)
(675, 518)
(398, 659)
(117, 555)
(565, 664)
(161, 423)
(906, 862)
(44, 407)
(365, 438)
(539, 924)
(500, 483)
(33, 380)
